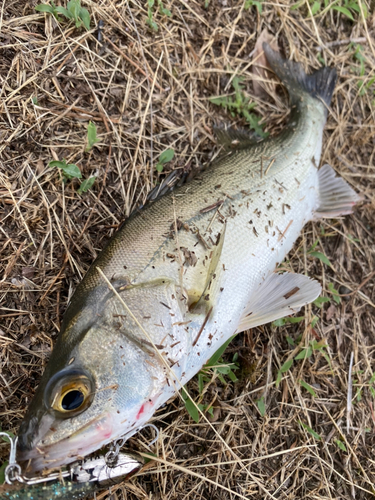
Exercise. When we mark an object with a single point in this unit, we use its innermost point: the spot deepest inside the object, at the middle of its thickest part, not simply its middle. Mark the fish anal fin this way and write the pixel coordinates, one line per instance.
(336, 197)
(278, 296)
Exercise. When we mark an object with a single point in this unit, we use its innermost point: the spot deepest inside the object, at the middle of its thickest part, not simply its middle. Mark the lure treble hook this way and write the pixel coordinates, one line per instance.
(12, 470)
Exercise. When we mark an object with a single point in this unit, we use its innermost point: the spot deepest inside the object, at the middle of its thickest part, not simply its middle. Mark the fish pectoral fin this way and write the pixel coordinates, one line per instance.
(278, 296)
(212, 272)
(335, 195)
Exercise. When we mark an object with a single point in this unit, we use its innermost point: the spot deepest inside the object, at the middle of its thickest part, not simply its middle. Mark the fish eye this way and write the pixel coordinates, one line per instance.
(71, 397)
(69, 392)
(72, 400)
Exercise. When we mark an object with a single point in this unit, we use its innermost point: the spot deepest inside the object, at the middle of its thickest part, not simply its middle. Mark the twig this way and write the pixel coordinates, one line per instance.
(135, 157)
(350, 393)
(338, 43)
(149, 90)
(104, 177)
(58, 117)
(66, 258)
(202, 327)
(149, 78)
(358, 287)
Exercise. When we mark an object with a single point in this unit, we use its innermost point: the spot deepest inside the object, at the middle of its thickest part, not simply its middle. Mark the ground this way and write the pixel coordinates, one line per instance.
(282, 430)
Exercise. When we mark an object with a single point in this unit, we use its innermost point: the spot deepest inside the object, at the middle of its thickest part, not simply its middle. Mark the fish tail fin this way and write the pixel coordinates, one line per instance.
(319, 85)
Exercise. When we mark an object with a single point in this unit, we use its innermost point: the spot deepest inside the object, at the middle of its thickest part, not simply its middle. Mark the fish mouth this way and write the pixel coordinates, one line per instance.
(83, 442)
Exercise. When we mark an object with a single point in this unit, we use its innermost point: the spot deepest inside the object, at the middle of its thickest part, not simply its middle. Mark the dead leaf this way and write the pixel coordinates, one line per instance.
(216, 413)
(259, 68)
(39, 167)
(331, 312)
(28, 272)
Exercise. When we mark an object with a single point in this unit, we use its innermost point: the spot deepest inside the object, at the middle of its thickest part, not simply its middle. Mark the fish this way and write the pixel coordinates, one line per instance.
(183, 275)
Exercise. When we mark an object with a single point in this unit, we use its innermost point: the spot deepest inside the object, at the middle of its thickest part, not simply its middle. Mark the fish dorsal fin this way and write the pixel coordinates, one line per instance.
(278, 296)
(235, 139)
(336, 197)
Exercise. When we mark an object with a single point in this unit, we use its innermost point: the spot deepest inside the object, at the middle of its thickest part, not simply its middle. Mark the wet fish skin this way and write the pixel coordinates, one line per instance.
(190, 285)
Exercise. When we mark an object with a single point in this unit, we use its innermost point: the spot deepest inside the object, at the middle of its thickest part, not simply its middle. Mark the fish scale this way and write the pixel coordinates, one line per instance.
(182, 276)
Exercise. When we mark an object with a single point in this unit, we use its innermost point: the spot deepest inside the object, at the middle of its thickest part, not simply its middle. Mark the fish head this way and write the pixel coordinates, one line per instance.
(95, 389)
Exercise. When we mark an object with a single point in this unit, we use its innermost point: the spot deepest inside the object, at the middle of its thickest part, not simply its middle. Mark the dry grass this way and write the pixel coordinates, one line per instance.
(150, 91)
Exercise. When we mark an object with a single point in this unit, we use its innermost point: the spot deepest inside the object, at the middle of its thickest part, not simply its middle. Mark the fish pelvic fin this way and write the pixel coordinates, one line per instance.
(319, 85)
(336, 197)
(278, 296)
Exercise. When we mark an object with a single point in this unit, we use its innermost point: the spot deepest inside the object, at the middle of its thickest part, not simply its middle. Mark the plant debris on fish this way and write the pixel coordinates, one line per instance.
(141, 323)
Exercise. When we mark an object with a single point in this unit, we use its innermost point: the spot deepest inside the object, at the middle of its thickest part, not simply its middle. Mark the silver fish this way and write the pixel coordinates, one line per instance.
(182, 276)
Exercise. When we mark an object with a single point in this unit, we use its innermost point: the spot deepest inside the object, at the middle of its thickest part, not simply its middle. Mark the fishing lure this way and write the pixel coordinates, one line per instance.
(82, 479)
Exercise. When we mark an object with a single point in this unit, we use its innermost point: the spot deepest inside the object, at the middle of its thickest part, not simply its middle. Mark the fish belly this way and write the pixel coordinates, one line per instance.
(253, 248)
(259, 228)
